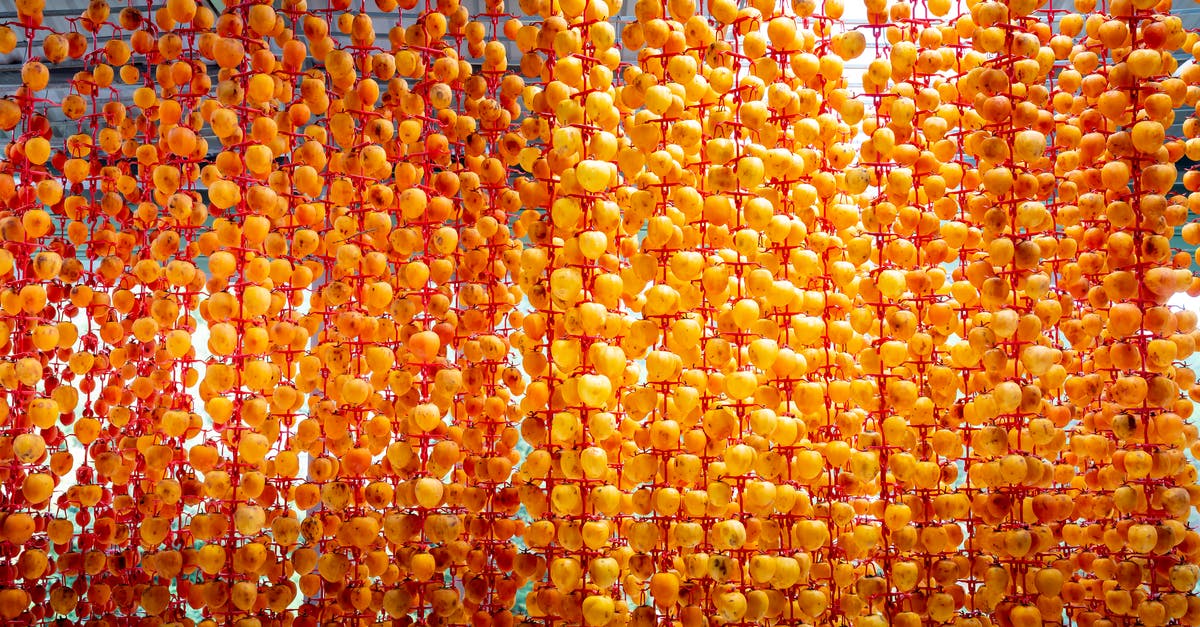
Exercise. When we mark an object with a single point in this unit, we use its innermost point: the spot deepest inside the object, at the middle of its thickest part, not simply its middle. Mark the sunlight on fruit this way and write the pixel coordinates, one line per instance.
(599, 313)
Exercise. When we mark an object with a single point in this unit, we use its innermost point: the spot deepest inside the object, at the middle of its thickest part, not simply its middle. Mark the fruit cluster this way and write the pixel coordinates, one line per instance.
(569, 312)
